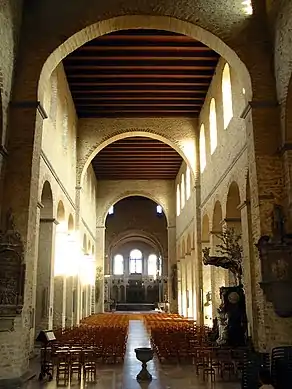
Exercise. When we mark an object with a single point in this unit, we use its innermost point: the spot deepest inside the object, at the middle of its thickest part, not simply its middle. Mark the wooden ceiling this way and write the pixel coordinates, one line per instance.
(137, 158)
(140, 73)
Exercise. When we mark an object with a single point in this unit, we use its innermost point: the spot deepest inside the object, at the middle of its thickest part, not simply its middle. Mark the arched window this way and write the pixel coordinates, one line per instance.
(213, 126)
(136, 261)
(188, 183)
(159, 209)
(152, 265)
(177, 200)
(118, 265)
(182, 191)
(202, 148)
(227, 96)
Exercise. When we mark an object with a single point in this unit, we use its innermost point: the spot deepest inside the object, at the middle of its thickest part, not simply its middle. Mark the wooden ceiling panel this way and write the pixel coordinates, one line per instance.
(144, 73)
(137, 158)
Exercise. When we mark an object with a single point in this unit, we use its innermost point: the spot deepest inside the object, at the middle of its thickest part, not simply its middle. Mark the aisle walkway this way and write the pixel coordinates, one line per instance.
(124, 377)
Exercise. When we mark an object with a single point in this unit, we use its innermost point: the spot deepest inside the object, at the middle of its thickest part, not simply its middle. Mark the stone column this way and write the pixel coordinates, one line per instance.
(59, 318)
(266, 189)
(77, 288)
(100, 241)
(193, 280)
(184, 286)
(189, 288)
(75, 304)
(87, 300)
(172, 260)
(32, 323)
(207, 287)
(179, 288)
(69, 302)
(45, 275)
(248, 269)
(21, 195)
(197, 241)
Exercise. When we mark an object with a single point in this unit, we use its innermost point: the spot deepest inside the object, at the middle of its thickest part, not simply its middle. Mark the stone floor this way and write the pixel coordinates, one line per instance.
(124, 377)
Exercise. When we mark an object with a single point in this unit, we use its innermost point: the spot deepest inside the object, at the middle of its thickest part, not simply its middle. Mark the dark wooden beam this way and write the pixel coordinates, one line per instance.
(145, 48)
(143, 57)
(137, 75)
(191, 67)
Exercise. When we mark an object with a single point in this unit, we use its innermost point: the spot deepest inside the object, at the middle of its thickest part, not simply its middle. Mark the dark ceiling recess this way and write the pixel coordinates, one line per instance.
(137, 158)
(140, 73)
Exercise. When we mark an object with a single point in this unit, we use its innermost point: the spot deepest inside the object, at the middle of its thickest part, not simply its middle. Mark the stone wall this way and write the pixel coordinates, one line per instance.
(59, 130)
(242, 41)
(10, 22)
(95, 134)
(160, 191)
(134, 217)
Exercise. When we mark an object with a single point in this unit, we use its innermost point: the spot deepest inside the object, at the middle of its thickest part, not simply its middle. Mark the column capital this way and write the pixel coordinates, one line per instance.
(30, 104)
(3, 151)
(257, 104)
(49, 220)
(243, 205)
(40, 205)
(231, 220)
(213, 232)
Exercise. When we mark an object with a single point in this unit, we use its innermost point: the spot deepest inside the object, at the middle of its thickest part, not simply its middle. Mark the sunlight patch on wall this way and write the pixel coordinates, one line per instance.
(247, 7)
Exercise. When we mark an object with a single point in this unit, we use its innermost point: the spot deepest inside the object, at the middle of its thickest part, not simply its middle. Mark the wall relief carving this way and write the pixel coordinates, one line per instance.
(276, 265)
(12, 269)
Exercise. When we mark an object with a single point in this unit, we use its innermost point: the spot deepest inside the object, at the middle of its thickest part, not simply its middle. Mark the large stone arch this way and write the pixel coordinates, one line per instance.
(114, 198)
(204, 32)
(93, 145)
(136, 234)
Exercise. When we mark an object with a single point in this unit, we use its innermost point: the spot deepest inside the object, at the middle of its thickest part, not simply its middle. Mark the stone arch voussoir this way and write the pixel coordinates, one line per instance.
(116, 197)
(144, 21)
(108, 138)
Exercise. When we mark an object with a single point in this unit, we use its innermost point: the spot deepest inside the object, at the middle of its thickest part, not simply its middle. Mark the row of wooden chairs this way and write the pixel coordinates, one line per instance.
(180, 341)
(77, 351)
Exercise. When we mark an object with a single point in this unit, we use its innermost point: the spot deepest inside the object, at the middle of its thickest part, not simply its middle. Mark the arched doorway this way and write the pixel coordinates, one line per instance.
(45, 264)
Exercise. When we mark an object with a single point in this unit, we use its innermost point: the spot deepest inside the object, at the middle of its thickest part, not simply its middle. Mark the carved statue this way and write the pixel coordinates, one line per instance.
(12, 269)
(232, 254)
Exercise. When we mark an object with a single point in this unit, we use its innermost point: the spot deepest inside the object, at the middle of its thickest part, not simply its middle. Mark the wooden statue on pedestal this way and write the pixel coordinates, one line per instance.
(232, 318)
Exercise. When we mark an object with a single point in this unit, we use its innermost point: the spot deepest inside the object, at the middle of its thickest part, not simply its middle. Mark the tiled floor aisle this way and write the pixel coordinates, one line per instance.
(124, 377)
